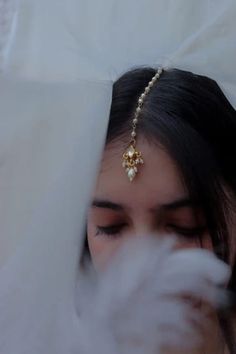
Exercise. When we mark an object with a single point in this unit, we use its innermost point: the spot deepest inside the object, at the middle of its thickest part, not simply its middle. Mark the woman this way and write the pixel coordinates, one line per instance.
(174, 133)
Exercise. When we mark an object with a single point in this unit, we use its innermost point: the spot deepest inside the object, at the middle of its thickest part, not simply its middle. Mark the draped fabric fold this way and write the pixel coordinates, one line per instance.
(51, 142)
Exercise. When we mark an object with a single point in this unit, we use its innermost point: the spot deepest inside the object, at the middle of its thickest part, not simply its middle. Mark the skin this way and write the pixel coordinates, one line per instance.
(155, 203)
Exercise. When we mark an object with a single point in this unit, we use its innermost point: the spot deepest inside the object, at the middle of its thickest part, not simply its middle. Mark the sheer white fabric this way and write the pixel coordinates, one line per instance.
(8, 13)
(67, 40)
(51, 141)
(54, 107)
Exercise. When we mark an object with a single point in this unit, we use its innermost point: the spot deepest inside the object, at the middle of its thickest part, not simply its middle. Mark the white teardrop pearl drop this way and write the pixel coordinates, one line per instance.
(131, 174)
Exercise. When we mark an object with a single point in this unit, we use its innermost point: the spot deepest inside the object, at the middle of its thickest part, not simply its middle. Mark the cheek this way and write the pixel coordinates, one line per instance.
(102, 249)
(207, 243)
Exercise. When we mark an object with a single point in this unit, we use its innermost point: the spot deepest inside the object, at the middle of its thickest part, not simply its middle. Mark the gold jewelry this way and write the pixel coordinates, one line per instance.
(132, 157)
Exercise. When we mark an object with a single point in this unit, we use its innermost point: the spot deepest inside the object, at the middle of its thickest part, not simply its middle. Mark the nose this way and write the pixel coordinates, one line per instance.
(147, 229)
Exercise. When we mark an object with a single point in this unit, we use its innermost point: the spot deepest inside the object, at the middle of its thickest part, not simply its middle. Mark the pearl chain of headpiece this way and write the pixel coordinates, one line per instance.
(132, 157)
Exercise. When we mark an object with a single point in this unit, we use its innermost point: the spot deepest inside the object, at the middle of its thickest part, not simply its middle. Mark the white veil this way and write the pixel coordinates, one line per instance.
(60, 59)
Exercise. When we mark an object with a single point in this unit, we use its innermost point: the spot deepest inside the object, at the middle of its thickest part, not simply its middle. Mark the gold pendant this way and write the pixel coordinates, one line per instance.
(132, 158)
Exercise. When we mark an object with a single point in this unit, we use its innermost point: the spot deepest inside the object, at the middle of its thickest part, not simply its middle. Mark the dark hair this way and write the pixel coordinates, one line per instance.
(191, 118)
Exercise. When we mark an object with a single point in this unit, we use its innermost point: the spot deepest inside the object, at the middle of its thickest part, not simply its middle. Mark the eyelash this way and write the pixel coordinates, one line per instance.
(111, 230)
(115, 230)
(188, 232)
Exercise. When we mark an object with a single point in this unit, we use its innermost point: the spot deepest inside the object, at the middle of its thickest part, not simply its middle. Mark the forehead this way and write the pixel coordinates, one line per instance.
(158, 179)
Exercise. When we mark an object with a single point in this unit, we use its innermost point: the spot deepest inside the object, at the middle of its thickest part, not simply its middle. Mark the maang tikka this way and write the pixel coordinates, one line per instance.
(132, 157)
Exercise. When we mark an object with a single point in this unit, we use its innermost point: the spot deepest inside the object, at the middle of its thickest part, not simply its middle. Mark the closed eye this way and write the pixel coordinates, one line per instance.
(187, 231)
(115, 230)
(110, 230)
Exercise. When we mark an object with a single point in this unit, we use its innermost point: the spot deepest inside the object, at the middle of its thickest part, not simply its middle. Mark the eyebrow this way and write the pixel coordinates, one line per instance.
(180, 203)
(106, 204)
(176, 204)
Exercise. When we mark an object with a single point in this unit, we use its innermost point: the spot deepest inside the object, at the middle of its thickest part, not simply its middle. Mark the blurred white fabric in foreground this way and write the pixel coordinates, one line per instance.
(50, 144)
(139, 303)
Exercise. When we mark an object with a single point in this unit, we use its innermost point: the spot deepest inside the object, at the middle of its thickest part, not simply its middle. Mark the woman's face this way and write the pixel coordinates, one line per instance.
(154, 203)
